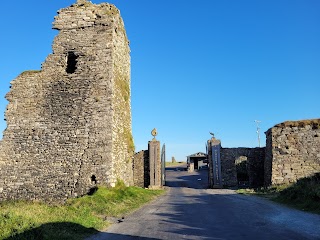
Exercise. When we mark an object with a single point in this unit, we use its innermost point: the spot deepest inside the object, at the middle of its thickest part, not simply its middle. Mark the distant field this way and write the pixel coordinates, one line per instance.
(171, 164)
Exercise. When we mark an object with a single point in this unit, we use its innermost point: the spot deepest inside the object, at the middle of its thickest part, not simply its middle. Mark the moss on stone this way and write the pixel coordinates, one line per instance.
(110, 9)
(315, 123)
(123, 86)
(129, 139)
(125, 90)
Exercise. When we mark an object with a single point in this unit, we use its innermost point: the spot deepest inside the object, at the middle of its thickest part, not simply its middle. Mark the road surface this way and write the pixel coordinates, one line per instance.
(190, 211)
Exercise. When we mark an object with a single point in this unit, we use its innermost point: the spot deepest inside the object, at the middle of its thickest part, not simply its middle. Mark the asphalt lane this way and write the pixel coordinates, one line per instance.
(190, 211)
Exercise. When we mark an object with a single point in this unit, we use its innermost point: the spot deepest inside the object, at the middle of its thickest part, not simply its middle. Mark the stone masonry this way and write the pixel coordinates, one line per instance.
(292, 151)
(148, 166)
(141, 169)
(69, 124)
(155, 164)
(242, 166)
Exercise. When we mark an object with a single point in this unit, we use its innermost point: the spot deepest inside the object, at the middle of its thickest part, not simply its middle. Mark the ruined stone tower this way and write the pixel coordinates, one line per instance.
(69, 125)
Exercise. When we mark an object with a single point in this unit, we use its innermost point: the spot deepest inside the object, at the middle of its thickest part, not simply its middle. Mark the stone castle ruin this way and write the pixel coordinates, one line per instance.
(69, 124)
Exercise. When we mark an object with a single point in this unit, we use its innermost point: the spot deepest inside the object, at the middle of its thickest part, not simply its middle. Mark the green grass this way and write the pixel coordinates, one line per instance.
(303, 195)
(271, 192)
(77, 219)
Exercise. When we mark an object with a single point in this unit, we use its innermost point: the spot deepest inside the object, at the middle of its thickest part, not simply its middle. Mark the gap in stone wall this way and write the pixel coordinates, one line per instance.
(72, 60)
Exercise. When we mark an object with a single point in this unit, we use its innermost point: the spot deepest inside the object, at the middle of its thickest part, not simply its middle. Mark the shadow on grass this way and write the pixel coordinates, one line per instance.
(52, 231)
(304, 194)
(70, 231)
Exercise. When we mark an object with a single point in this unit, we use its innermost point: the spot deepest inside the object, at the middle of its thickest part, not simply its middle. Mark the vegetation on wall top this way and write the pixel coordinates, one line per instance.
(315, 123)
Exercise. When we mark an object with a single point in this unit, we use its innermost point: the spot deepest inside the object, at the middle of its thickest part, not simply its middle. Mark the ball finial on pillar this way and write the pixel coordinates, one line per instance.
(154, 133)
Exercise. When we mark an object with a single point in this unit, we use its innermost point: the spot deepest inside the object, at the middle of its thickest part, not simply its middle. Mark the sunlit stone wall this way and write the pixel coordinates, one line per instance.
(292, 151)
(69, 124)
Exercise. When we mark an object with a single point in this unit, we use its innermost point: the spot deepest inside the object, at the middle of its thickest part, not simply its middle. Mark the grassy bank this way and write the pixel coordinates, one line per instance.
(303, 195)
(77, 219)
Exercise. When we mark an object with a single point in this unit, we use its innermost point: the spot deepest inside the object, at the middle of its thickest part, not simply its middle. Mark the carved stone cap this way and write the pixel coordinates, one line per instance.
(214, 141)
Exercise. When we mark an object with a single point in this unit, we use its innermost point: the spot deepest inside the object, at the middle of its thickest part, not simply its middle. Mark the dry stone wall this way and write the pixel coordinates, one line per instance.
(141, 169)
(242, 166)
(69, 125)
(292, 151)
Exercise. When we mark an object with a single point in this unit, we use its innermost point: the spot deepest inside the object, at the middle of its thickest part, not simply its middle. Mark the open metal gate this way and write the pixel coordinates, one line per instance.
(163, 165)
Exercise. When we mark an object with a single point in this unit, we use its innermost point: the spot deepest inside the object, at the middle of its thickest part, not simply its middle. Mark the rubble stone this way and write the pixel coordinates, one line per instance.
(69, 124)
(292, 151)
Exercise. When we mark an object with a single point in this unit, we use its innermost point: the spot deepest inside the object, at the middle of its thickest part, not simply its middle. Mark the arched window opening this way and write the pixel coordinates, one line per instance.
(242, 171)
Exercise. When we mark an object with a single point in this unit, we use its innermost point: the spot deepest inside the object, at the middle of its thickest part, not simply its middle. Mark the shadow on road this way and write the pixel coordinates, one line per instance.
(199, 214)
(67, 231)
(180, 177)
(113, 236)
(190, 211)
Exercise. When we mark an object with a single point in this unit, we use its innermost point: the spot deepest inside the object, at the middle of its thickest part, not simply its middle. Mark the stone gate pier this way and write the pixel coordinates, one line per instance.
(214, 160)
(149, 165)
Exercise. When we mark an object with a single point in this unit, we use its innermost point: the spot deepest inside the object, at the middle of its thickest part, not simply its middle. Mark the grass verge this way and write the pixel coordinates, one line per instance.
(77, 219)
(303, 195)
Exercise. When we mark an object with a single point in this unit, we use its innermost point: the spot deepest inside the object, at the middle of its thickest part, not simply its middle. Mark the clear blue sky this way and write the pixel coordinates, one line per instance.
(197, 66)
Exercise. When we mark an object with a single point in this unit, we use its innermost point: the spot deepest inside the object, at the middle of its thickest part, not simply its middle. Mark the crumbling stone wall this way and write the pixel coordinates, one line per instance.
(141, 169)
(292, 151)
(236, 161)
(69, 125)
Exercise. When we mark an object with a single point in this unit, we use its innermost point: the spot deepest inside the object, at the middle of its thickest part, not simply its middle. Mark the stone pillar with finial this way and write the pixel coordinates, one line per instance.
(213, 151)
(154, 161)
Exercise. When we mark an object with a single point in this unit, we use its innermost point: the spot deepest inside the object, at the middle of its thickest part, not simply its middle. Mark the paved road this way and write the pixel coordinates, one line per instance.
(189, 211)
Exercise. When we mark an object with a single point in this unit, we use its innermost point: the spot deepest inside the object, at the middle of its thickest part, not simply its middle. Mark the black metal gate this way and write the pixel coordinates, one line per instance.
(163, 165)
